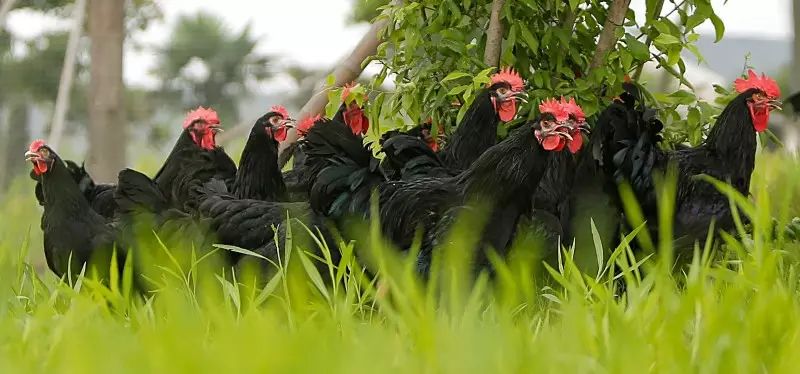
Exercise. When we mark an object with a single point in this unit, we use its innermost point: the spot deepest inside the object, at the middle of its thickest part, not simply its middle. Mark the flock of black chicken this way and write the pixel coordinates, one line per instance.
(543, 176)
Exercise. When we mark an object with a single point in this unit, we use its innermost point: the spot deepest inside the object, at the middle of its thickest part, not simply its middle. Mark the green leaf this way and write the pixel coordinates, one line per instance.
(719, 27)
(638, 49)
(682, 97)
(454, 75)
(529, 39)
(666, 39)
(239, 250)
(457, 90)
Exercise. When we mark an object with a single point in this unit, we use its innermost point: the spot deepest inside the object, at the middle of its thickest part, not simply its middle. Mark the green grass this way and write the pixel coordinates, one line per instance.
(735, 308)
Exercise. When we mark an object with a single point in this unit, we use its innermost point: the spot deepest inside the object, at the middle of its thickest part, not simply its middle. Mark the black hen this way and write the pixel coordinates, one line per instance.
(504, 178)
(74, 234)
(99, 196)
(258, 176)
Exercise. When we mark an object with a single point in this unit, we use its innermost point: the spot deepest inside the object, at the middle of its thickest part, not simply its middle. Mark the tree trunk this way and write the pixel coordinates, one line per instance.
(67, 75)
(5, 7)
(494, 35)
(347, 71)
(795, 83)
(15, 139)
(607, 40)
(5, 149)
(106, 105)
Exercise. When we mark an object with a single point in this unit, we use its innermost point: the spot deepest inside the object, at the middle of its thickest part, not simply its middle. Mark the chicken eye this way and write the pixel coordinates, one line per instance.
(44, 152)
(502, 91)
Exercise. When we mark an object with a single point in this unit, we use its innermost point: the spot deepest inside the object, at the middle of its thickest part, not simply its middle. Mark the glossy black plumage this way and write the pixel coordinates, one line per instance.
(258, 176)
(475, 134)
(99, 196)
(503, 178)
(74, 234)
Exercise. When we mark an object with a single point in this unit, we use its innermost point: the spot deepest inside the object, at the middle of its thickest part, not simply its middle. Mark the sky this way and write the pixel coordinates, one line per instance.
(315, 32)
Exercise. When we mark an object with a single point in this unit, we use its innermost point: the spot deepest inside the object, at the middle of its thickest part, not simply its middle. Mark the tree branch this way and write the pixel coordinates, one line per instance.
(494, 35)
(67, 75)
(615, 18)
(347, 71)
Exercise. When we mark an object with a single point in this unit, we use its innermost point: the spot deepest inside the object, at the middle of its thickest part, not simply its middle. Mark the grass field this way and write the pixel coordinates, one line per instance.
(735, 308)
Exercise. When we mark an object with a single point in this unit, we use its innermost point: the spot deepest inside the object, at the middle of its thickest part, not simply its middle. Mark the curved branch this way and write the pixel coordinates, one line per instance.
(615, 18)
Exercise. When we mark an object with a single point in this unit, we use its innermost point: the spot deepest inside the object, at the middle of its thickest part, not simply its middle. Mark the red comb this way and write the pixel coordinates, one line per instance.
(572, 108)
(208, 116)
(555, 108)
(36, 144)
(346, 90)
(763, 83)
(280, 109)
(509, 76)
(307, 123)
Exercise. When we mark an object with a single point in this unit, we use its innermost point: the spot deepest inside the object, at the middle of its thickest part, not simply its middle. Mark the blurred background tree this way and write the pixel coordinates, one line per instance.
(205, 63)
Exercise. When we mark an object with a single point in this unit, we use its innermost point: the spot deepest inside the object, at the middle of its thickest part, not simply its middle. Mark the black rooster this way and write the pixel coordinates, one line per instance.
(408, 156)
(195, 146)
(727, 154)
(351, 113)
(478, 129)
(551, 201)
(504, 178)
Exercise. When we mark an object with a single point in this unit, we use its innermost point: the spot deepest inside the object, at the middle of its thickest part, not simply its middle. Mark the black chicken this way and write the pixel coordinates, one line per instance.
(258, 176)
(409, 157)
(350, 112)
(504, 178)
(727, 154)
(551, 201)
(478, 129)
(74, 234)
(195, 146)
(99, 196)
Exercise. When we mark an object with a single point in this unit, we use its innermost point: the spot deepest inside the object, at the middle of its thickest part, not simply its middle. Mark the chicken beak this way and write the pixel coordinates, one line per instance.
(775, 104)
(217, 129)
(289, 123)
(31, 156)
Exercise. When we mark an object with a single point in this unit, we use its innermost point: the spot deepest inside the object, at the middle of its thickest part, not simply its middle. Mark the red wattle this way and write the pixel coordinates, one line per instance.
(553, 143)
(39, 167)
(507, 110)
(760, 117)
(576, 143)
(356, 120)
(280, 134)
(208, 141)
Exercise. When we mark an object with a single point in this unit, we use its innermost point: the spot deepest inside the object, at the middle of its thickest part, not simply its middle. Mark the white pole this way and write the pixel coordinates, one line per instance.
(67, 75)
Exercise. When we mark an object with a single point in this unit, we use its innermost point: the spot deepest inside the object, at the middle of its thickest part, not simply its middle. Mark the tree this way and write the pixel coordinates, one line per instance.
(205, 63)
(435, 50)
(366, 10)
(106, 101)
(795, 83)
